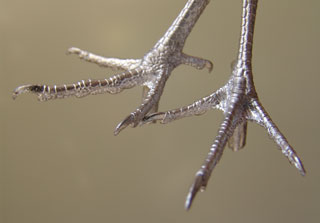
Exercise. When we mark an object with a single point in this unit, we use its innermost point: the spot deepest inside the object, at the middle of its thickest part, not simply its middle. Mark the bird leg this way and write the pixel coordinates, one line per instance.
(239, 102)
(152, 71)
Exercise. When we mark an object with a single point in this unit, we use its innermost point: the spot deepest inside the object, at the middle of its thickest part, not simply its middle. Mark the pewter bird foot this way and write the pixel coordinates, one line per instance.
(151, 71)
(239, 102)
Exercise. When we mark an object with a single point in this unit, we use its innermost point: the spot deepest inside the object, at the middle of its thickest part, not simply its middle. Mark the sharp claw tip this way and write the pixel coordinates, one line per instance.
(117, 130)
(187, 204)
(210, 66)
(298, 164)
(122, 125)
(20, 90)
(198, 185)
(303, 172)
(15, 94)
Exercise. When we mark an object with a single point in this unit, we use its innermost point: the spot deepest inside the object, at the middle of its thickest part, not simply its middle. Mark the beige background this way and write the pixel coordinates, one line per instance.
(61, 163)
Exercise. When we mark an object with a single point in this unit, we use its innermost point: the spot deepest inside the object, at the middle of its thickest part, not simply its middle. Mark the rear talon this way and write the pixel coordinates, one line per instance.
(122, 125)
(133, 119)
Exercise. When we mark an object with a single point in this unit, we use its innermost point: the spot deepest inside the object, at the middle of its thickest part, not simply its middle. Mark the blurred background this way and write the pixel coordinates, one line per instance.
(61, 163)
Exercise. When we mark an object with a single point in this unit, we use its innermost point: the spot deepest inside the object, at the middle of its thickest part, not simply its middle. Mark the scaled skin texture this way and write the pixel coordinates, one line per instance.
(239, 102)
(151, 72)
(237, 99)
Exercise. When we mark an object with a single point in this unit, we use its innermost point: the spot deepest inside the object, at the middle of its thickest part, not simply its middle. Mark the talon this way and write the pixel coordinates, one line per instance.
(25, 89)
(209, 65)
(298, 164)
(198, 184)
(122, 125)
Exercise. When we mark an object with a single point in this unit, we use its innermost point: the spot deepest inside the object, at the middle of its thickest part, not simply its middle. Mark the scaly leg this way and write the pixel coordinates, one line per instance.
(239, 102)
(83, 88)
(149, 103)
(261, 117)
(156, 65)
(196, 108)
(113, 63)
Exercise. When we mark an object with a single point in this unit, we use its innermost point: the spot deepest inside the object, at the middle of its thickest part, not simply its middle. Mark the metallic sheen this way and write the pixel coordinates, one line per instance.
(237, 98)
(239, 102)
(151, 72)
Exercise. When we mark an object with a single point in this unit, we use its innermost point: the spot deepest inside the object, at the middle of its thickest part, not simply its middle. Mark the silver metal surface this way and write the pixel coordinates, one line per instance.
(237, 99)
(239, 102)
(152, 71)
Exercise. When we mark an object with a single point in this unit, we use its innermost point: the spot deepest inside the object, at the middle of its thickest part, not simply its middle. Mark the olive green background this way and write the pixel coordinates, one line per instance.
(61, 163)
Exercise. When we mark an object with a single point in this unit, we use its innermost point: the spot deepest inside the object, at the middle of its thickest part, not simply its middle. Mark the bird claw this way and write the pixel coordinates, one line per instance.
(122, 125)
(209, 65)
(298, 164)
(133, 119)
(24, 89)
(199, 184)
